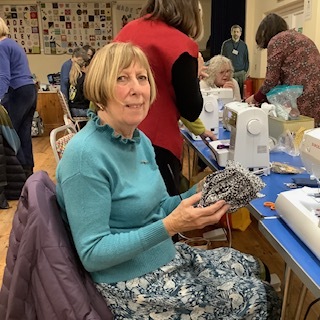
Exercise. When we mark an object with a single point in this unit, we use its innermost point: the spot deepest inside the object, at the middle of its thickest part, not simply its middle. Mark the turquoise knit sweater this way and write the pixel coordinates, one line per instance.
(112, 194)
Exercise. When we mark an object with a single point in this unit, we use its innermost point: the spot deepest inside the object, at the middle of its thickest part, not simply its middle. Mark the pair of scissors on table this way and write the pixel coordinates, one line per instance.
(270, 204)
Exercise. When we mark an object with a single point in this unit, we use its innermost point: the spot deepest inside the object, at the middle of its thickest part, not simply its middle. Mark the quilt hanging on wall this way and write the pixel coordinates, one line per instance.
(66, 26)
(23, 24)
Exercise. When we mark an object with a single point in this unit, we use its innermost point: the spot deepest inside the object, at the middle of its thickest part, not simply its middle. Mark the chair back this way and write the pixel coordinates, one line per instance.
(67, 116)
(59, 138)
(65, 107)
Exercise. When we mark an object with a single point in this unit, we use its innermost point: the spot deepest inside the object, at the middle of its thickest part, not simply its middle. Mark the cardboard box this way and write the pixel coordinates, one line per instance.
(278, 126)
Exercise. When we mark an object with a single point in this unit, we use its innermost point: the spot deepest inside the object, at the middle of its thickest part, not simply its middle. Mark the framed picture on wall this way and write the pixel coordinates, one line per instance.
(23, 24)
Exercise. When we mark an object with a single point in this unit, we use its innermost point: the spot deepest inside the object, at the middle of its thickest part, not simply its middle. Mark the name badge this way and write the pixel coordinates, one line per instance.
(234, 51)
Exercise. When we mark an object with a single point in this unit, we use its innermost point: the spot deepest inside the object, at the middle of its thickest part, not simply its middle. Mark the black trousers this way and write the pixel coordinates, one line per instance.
(21, 104)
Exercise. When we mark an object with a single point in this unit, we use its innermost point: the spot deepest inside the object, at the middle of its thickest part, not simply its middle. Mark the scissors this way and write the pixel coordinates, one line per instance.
(270, 204)
(223, 146)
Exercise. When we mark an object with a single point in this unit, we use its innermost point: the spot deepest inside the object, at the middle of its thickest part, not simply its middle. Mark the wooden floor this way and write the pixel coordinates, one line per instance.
(250, 241)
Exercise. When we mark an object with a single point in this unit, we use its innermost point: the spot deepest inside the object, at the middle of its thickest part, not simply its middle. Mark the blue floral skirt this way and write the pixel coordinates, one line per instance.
(198, 284)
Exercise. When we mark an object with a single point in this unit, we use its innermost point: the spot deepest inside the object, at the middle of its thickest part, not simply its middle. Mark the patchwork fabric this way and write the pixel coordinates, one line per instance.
(62, 143)
(235, 184)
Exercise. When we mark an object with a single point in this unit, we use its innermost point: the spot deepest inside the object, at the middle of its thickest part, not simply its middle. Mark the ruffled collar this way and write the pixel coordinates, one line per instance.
(115, 136)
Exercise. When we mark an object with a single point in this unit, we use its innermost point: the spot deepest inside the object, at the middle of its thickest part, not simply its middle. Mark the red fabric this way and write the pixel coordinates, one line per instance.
(163, 45)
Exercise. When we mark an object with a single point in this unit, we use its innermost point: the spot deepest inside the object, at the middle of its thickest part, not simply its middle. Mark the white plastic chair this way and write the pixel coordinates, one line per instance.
(67, 116)
(59, 137)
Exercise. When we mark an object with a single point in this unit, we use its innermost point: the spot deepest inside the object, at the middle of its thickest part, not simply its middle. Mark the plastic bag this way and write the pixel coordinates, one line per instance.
(288, 143)
(284, 98)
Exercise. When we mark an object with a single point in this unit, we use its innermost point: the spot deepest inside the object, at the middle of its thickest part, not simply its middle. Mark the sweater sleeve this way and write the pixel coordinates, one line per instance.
(64, 79)
(186, 87)
(197, 127)
(4, 72)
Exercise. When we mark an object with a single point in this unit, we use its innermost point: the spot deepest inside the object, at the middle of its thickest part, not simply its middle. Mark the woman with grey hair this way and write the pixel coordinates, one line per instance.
(220, 75)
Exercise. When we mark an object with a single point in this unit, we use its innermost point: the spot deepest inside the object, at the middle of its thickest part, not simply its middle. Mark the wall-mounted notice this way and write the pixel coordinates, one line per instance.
(23, 24)
(69, 25)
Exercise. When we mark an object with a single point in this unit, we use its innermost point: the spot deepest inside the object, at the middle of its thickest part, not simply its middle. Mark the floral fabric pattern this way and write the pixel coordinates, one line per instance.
(293, 59)
(219, 284)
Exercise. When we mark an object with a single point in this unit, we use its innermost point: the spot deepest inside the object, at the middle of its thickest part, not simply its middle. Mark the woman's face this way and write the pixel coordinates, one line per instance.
(223, 75)
(90, 54)
(131, 106)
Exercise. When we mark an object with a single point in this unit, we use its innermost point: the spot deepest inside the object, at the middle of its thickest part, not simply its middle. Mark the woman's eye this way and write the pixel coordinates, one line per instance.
(122, 78)
(143, 78)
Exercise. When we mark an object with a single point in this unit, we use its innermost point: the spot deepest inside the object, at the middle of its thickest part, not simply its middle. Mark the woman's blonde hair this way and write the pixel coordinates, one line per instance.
(105, 68)
(184, 15)
(4, 30)
(216, 64)
(75, 72)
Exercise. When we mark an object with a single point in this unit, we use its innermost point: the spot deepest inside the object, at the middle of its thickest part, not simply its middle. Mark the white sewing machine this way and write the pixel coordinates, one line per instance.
(214, 100)
(249, 137)
(300, 208)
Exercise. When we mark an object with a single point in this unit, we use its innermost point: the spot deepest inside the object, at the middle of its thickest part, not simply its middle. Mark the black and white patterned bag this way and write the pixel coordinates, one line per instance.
(235, 184)
(37, 128)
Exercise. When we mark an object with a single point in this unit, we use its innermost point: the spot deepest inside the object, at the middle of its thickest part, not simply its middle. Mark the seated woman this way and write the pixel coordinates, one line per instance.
(78, 103)
(220, 75)
(122, 219)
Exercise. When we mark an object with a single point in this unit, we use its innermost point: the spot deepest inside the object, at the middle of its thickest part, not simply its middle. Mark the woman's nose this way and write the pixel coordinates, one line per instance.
(134, 86)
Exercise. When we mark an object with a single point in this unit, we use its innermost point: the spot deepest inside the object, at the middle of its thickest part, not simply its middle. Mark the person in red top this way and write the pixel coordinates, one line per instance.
(166, 32)
(292, 59)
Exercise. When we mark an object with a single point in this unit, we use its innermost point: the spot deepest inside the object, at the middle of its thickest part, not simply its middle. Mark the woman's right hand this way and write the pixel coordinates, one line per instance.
(201, 68)
(228, 84)
(186, 217)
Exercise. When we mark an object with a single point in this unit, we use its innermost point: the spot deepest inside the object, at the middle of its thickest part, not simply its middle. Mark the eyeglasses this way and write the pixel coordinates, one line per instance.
(225, 71)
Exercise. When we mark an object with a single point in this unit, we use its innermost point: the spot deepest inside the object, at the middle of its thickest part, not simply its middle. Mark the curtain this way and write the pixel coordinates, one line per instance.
(224, 14)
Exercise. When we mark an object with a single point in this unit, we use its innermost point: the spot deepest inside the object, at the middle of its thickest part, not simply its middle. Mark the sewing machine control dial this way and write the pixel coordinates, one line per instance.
(208, 106)
(254, 126)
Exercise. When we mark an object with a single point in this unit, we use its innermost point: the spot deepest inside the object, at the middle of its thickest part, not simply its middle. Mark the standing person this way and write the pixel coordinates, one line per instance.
(18, 93)
(80, 55)
(237, 51)
(166, 32)
(292, 59)
(121, 217)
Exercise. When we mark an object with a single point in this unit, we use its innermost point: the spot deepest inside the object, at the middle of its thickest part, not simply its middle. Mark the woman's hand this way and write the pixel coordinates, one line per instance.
(186, 217)
(251, 100)
(228, 84)
(209, 134)
(201, 67)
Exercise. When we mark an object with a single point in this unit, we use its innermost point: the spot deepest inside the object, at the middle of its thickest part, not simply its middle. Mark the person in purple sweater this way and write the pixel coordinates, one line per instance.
(18, 93)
